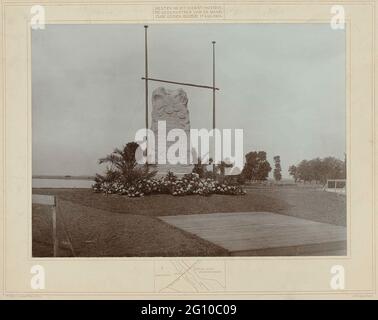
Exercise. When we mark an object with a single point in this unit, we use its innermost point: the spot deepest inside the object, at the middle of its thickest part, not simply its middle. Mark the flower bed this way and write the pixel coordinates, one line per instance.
(190, 184)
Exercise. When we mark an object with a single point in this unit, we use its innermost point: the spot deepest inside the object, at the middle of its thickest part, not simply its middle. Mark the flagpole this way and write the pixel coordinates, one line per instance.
(146, 84)
(213, 42)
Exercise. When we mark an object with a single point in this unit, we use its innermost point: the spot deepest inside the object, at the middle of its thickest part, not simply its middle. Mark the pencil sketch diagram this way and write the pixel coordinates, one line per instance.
(190, 276)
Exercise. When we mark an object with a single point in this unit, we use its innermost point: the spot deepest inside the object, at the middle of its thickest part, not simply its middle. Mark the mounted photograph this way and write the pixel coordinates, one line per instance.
(189, 140)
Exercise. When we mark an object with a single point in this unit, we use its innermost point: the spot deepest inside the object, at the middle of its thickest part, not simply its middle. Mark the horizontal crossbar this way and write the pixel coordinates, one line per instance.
(181, 83)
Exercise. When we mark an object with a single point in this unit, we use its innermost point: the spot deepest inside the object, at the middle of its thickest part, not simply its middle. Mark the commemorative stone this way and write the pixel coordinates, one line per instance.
(170, 109)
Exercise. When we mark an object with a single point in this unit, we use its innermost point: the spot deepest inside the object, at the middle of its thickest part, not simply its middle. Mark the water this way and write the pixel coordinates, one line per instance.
(61, 183)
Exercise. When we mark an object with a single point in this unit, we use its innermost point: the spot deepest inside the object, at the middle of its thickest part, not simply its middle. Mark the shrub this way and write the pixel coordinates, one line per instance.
(219, 173)
(124, 174)
(126, 177)
(190, 184)
(201, 168)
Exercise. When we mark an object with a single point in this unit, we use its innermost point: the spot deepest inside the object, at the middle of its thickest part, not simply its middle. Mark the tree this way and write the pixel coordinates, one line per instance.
(318, 170)
(256, 166)
(277, 168)
(333, 169)
(293, 171)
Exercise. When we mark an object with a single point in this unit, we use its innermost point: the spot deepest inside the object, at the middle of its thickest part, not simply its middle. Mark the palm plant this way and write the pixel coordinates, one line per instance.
(123, 166)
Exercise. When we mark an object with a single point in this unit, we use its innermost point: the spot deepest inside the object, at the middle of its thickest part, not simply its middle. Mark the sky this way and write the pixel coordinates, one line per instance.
(283, 84)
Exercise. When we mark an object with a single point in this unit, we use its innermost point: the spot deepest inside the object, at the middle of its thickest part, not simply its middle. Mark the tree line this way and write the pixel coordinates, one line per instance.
(318, 170)
(257, 168)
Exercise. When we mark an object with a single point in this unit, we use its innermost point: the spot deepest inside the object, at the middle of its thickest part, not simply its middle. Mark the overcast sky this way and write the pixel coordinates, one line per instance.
(284, 84)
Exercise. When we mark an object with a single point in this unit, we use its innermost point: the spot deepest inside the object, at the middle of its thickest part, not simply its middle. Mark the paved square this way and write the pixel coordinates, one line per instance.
(264, 233)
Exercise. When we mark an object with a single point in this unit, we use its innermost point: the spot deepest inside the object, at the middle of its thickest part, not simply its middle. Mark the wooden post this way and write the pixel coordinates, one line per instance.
(54, 235)
(214, 103)
(146, 83)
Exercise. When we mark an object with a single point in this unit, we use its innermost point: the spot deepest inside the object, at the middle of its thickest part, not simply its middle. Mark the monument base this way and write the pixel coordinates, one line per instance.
(179, 169)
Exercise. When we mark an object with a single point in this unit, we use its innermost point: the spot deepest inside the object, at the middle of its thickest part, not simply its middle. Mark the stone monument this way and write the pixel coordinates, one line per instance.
(170, 107)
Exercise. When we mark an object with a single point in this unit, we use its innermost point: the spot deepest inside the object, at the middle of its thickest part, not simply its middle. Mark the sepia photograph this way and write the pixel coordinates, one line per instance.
(164, 151)
(188, 140)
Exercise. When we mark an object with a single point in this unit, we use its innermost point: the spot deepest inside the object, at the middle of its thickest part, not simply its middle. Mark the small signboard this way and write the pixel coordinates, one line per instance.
(43, 199)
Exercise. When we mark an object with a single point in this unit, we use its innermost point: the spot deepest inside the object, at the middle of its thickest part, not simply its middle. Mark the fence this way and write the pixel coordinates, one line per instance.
(335, 185)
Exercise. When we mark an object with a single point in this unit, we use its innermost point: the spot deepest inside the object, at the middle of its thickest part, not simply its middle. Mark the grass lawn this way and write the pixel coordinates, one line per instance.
(164, 205)
(113, 225)
(98, 233)
(309, 203)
